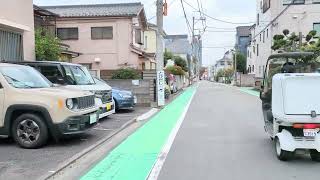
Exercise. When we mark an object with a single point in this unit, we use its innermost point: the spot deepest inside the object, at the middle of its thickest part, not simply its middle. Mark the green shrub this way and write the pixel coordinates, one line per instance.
(175, 70)
(127, 73)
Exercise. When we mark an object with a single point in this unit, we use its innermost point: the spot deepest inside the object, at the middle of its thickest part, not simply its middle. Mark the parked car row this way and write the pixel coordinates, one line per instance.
(43, 99)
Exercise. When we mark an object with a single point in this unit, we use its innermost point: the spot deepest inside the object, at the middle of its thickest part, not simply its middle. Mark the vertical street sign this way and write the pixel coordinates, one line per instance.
(161, 88)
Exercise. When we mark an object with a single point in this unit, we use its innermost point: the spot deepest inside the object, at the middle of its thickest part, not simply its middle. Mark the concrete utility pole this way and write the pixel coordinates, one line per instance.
(192, 42)
(159, 56)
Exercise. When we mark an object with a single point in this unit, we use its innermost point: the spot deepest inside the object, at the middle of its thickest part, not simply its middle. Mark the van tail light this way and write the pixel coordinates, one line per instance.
(306, 126)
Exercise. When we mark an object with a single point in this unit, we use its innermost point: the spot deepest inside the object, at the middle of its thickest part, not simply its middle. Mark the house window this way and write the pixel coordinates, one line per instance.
(68, 33)
(146, 42)
(252, 68)
(264, 36)
(138, 36)
(257, 49)
(316, 26)
(248, 53)
(316, 1)
(258, 19)
(266, 5)
(254, 49)
(267, 33)
(102, 32)
(260, 37)
(287, 2)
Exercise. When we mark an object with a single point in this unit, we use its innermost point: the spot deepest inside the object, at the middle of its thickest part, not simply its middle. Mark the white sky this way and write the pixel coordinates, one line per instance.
(229, 10)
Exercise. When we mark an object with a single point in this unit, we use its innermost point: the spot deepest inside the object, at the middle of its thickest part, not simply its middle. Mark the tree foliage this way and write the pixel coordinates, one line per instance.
(290, 42)
(241, 62)
(126, 73)
(227, 74)
(179, 61)
(167, 56)
(47, 46)
(175, 70)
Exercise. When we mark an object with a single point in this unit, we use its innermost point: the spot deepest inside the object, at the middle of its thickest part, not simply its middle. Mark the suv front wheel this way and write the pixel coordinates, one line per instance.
(29, 131)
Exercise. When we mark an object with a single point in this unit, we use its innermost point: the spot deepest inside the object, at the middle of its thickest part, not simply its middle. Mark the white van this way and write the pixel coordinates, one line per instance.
(78, 77)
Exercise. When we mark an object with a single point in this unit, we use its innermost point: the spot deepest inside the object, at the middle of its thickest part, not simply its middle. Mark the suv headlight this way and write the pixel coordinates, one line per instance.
(71, 104)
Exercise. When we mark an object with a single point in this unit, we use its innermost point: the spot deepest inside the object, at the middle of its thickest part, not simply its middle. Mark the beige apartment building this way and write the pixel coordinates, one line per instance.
(108, 36)
(273, 16)
(16, 30)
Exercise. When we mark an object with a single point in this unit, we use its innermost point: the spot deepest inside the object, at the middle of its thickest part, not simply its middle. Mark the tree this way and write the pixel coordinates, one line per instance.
(290, 42)
(167, 56)
(179, 61)
(241, 62)
(227, 74)
(47, 46)
(175, 70)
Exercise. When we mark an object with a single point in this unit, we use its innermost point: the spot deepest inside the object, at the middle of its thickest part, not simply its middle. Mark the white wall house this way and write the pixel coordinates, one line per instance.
(273, 16)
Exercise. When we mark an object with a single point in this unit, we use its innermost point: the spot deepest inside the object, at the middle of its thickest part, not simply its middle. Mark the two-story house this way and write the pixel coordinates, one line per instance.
(108, 36)
(16, 30)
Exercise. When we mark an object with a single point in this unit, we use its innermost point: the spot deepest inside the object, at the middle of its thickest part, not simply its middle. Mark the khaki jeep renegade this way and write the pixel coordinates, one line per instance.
(32, 109)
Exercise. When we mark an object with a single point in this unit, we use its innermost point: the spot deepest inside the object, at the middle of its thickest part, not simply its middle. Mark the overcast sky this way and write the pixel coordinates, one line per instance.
(237, 11)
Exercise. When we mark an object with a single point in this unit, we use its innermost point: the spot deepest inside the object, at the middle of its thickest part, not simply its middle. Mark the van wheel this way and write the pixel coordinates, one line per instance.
(29, 131)
(315, 155)
(282, 155)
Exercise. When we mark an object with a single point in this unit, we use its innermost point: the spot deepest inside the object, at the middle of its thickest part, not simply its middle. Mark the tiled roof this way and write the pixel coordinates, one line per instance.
(122, 9)
(178, 44)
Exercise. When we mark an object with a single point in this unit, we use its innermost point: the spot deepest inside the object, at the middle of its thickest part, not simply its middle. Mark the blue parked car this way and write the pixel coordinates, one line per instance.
(123, 99)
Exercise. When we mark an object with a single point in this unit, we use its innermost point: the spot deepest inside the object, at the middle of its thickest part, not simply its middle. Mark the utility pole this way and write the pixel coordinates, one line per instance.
(159, 56)
(192, 42)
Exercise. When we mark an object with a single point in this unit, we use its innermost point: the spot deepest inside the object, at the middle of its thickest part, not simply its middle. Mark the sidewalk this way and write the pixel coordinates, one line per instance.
(134, 158)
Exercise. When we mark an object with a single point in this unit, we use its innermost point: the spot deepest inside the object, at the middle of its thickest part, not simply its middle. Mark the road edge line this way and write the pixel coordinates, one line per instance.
(156, 169)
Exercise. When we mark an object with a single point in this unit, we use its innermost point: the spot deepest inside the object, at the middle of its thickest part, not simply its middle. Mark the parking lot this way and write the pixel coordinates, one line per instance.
(18, 163)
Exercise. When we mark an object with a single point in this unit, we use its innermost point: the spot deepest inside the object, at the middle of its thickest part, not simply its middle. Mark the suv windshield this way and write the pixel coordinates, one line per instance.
(78, 75)
(24, 77)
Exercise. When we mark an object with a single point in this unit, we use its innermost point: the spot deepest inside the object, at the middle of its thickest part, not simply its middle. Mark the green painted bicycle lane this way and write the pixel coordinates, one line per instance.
(250, 91)
(134, 158)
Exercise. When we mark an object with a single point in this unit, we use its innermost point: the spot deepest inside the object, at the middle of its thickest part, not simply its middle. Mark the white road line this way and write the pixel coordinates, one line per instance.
(154, 174)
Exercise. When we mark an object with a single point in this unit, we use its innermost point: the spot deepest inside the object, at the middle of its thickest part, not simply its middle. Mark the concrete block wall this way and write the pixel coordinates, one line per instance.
(142, 91)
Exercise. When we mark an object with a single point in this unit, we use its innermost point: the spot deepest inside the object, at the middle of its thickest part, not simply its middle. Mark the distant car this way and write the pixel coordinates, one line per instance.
(123, 99)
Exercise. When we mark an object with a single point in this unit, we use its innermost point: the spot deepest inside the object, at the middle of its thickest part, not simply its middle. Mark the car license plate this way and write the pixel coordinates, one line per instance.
(109, 105)
(310, 132)
(93, 118)
(135, 99)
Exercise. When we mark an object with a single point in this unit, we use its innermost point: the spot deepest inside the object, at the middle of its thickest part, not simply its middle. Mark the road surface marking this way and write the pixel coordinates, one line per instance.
(163, 154)
(135, 157)
(250, 91)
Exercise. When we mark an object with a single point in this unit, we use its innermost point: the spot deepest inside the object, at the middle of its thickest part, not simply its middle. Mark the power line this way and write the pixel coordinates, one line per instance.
(222, 31)
(185, 16)
(212, 27)
(216, 19)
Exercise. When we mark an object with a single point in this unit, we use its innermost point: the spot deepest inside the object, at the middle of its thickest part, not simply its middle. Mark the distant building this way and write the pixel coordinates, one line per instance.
(179, 45)
(273, 16)
(17, 41)
(224, 63)
(242, 39)
(109, 36)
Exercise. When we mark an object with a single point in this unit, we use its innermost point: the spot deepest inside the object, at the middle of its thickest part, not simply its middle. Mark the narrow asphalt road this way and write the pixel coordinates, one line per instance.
(222, 138)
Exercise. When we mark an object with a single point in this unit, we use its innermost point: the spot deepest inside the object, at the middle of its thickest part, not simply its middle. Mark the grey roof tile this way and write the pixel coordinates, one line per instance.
(122, 9)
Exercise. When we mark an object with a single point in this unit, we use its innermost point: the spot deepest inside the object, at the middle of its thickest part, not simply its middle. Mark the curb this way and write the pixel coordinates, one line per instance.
(79, 155)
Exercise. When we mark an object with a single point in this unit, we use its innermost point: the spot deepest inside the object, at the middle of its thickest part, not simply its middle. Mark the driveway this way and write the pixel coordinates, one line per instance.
(18, 163)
